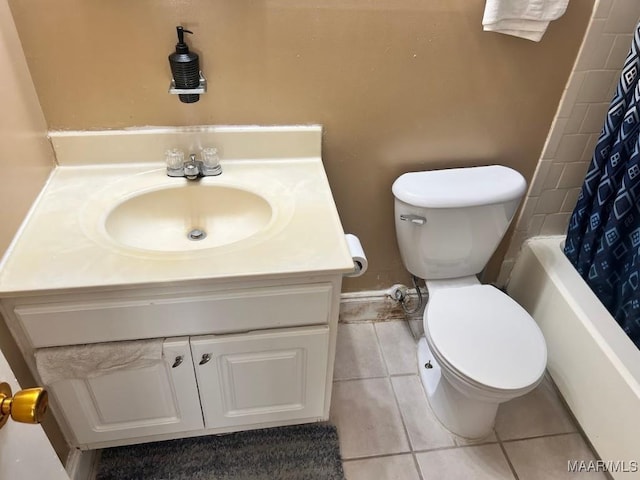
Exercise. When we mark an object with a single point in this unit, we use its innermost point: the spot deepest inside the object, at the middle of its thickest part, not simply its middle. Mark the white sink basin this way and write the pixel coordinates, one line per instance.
(188, 217)
(104, 223)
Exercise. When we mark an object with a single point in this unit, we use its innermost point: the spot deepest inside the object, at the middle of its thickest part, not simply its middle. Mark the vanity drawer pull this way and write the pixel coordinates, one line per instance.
(177, 361)
(205, 358)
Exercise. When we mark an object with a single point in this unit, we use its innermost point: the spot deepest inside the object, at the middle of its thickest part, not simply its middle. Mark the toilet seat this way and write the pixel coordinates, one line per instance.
(483, 336)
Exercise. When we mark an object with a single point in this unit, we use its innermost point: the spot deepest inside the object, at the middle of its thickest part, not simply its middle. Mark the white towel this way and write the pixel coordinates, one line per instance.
(522, 18)
(82, 361)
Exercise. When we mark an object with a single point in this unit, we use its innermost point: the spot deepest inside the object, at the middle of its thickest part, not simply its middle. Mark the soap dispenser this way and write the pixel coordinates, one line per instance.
(185, 68)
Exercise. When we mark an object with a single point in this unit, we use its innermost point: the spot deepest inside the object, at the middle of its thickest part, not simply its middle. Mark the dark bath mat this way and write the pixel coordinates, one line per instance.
(298, 452)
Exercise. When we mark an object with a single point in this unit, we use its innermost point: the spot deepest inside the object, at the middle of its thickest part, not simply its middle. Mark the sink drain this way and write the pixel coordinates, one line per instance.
(196, 234)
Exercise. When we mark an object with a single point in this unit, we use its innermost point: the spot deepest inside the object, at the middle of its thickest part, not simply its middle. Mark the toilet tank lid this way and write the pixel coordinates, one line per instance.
(460, 187)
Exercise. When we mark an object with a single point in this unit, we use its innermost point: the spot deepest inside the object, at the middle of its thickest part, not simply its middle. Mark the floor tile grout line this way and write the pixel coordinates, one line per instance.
(402, 420)
(506, 455)
(380, 354)
(453, 447)
(481, 443)
(395, 397)
(426, 450)
(417, 465)
(397, 403)
(492, 442)
(377, 455)
(381, 350)
(536, 437)
(336, 380)
(384, 357)
(414, 374)
(389, 455)
(458, 447)
(376, 376)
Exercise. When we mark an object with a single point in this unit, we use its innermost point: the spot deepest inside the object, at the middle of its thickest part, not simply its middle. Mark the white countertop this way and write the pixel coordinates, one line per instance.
(60, 247)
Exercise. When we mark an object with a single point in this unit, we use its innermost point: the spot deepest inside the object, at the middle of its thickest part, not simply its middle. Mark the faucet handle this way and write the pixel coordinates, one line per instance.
(211, 161)
(174, 159)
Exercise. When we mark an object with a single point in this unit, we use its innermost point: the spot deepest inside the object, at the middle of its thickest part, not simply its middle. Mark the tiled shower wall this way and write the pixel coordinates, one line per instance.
(566, 155)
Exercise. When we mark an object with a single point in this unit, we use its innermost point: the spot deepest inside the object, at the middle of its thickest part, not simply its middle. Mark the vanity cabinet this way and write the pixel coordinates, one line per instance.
(76, 322)
(261, 377)
(231, 380)
(234, 358)
(131, 403)
(259, 297)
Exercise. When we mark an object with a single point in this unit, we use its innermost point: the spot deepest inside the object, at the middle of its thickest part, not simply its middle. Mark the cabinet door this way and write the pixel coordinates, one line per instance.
(129, 403)
(261, 377)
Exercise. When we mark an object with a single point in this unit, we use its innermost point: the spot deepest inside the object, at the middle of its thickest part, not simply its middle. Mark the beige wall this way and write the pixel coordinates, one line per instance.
(26, 158)
(398, 84)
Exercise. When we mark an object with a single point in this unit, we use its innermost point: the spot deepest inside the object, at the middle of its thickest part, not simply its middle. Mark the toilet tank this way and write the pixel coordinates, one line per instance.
(466, 211)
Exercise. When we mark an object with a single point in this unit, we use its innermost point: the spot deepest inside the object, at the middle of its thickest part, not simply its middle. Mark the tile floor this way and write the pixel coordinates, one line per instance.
(387, 430)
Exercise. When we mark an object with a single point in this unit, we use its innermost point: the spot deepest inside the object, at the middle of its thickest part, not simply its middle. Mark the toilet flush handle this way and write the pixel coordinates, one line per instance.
(415, 219)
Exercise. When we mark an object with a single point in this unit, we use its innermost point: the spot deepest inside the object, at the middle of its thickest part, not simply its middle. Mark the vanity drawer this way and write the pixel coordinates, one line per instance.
(72, 323)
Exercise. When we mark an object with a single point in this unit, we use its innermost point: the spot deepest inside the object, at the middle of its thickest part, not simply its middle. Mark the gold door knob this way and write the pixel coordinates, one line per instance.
(26, 406)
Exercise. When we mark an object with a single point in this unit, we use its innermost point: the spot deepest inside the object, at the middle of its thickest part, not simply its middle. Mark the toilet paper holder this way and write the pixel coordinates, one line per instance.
(360, 263)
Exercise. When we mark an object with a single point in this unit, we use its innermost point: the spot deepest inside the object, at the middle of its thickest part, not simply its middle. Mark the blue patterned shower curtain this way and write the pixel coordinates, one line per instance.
(603, 240)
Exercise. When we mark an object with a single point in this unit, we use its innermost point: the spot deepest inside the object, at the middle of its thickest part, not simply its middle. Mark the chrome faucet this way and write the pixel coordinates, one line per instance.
(193, 169)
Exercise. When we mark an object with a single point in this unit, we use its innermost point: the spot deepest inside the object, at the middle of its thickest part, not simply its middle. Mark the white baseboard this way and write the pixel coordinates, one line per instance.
(81, 464)
(372, 305)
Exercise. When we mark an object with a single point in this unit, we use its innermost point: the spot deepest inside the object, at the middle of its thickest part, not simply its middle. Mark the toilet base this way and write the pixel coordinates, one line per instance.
(458, 413)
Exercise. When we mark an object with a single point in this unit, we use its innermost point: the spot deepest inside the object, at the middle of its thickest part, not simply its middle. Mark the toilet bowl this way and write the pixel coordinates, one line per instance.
(480, 348)
(488, 350)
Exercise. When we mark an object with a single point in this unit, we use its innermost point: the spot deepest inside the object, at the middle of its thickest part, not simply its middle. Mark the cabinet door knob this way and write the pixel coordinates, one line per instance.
(177, 361)
(205, 358)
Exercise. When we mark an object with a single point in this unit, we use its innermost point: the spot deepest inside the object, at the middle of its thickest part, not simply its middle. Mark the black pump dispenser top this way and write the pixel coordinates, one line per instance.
(182, 47)
(185, 67)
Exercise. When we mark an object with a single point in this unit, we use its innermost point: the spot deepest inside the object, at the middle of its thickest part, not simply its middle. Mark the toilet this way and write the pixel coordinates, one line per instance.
(480, 348)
